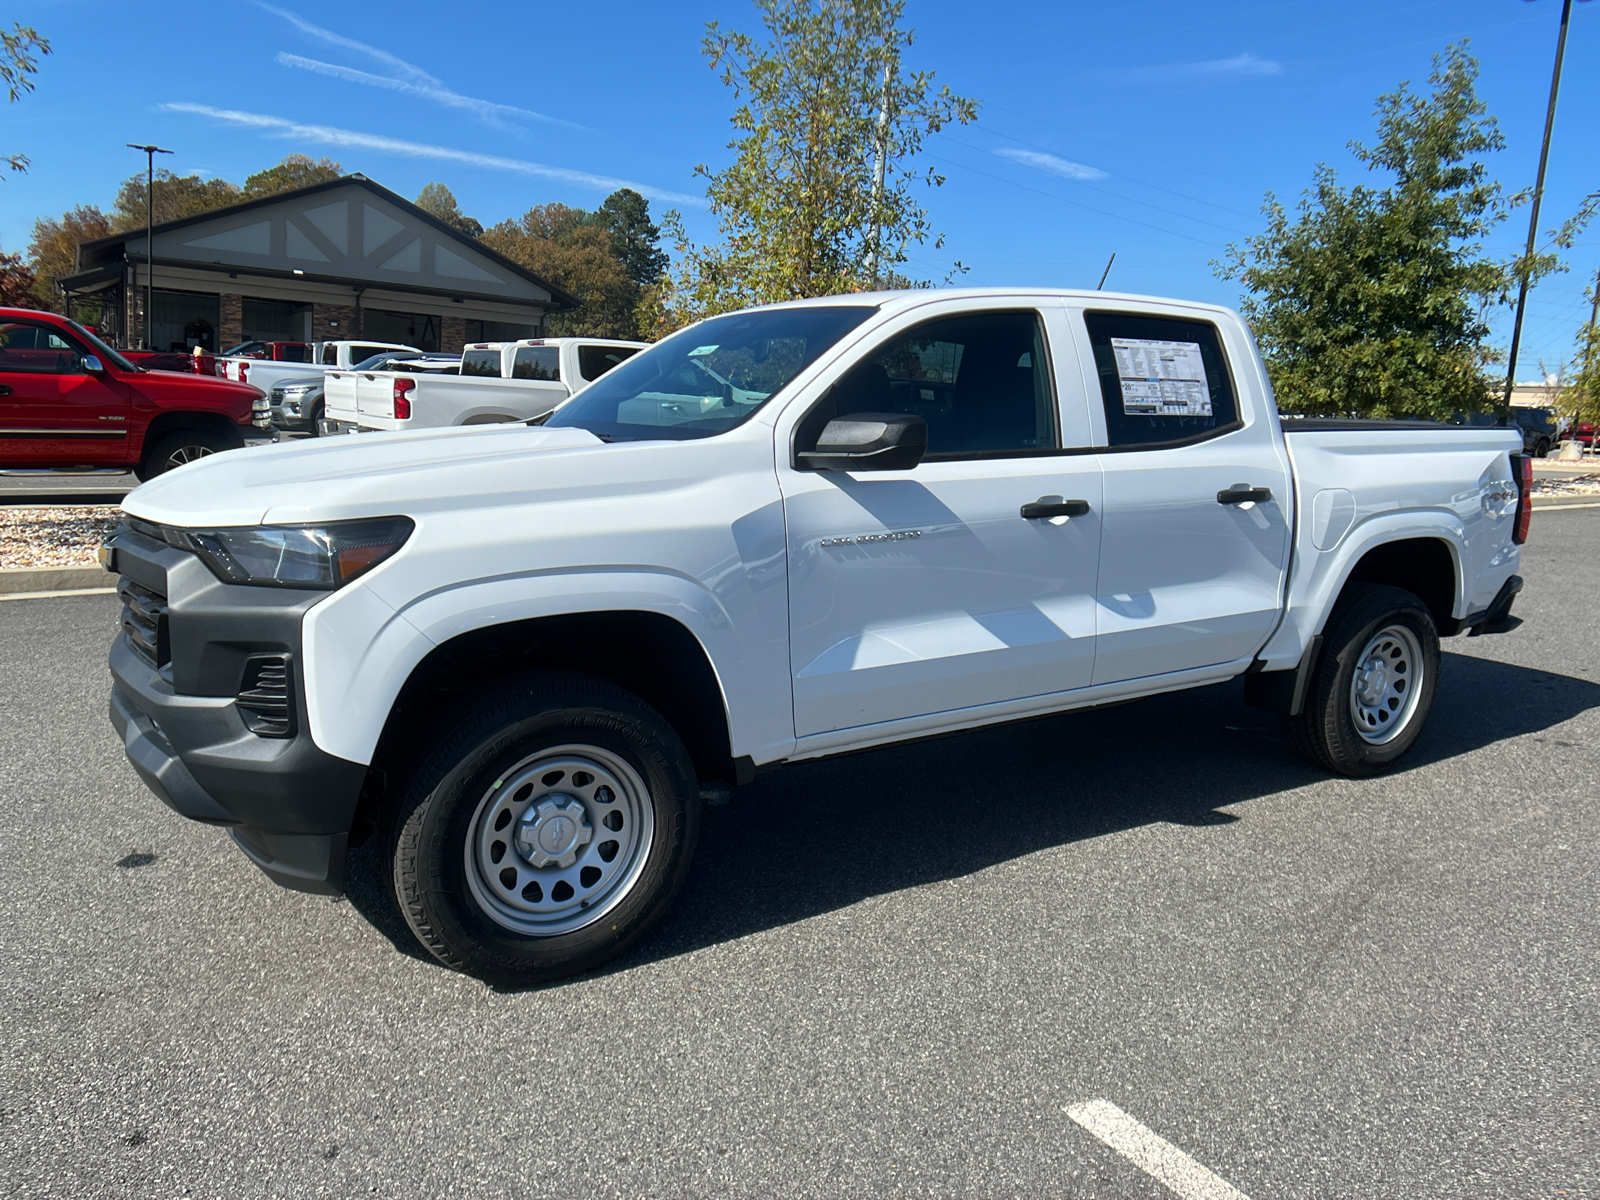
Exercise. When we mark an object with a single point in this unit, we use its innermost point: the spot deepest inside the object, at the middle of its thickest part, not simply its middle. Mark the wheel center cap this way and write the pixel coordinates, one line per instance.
(1374, 681)
(552, 830)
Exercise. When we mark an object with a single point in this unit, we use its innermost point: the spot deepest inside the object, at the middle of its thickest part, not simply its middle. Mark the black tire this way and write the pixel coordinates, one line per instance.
(175, 449)
(316, 419)
(473, 775)
(1325, 733)
(1541, 448)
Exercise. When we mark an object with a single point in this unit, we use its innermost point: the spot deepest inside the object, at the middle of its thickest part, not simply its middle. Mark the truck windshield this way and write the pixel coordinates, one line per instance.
(708, 378)
(100, 348)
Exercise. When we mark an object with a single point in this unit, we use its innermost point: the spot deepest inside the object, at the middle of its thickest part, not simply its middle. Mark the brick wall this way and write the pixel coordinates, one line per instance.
(230, 321)
(452, 334)
(333, 322)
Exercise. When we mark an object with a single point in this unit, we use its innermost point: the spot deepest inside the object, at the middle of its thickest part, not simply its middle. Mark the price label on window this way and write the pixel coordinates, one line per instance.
(1161, 379)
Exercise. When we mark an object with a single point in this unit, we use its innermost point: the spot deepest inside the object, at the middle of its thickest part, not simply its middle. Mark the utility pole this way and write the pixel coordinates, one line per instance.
(879, 170)
(1504, 412)
(149, 227)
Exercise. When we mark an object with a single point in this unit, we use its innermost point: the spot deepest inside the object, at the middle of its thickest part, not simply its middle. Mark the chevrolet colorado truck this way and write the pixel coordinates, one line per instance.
(517, 653)
(497, 382)
(69, 400)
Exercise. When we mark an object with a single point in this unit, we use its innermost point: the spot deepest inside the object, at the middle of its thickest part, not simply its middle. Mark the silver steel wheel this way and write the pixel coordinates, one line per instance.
(559, 840)
(1386, 685)
(187, 454)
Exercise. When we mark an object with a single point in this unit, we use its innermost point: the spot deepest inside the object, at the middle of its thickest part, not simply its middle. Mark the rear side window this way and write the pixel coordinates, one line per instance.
(536, 362)
(595, 361)
(1164, 380)
(483, 363)
(981, 381)
(357, 353)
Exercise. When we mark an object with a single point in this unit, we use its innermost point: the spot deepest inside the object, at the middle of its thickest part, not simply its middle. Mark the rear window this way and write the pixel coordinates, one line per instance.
(357, 353)
(294, 354)
(595, 361)
(536, 362)
(1163, 380)
(330, 355)
(484, 363)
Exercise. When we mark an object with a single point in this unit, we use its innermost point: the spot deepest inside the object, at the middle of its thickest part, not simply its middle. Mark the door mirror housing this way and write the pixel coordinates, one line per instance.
(868, 442)
(92, 364)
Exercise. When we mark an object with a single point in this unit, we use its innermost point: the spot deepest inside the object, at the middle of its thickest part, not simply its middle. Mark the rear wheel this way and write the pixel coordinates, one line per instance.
(177, 449)
(545, 832)
(1542, 448)
(1373, 686)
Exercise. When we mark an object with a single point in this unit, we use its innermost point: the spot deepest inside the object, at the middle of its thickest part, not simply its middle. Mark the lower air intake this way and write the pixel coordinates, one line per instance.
(266, 696)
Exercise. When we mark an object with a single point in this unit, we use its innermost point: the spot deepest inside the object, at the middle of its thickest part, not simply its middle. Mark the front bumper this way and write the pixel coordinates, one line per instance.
(288, 804)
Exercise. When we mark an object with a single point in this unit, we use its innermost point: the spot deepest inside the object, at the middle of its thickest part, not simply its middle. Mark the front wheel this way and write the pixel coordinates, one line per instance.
(546, 832)
(177, 449)
(1373, 686)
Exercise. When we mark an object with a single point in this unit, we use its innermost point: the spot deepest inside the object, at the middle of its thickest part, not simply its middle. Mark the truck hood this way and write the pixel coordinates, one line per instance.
(356, 475)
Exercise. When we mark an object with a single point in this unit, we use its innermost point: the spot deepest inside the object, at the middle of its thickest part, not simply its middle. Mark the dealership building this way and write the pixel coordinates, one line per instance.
(344, 259)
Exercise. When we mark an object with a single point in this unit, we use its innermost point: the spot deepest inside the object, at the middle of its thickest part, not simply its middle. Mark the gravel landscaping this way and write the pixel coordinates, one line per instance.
(1566, 487)
(55, 537)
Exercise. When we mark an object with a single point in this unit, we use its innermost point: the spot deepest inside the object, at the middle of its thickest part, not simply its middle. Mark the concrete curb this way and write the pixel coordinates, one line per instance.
(53, 579)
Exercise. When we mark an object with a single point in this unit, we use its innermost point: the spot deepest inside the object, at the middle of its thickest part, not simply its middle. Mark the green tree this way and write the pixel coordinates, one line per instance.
(295, 171)
(439, 201)
(16, 282)
(53, 249)
(1582, 397)
(17, 63)
(818, 199)
(1371, 300)
(635, 238)
(176, 197)
(569, 248)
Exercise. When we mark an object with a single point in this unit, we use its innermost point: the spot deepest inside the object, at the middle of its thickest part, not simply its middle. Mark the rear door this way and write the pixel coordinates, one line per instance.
(1191, 566)
(925, 591)
(53, 410)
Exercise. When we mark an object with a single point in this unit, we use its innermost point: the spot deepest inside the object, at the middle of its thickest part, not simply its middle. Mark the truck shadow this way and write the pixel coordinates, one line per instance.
(816, 837)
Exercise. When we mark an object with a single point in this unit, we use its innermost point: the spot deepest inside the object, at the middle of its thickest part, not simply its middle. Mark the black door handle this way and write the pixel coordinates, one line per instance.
(1243, 493)
(5, 389)
(1054, 506)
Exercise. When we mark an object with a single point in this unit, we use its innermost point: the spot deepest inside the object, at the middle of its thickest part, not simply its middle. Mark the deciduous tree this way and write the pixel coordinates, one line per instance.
(819, 196)
(176, 197)
(1371, 300)
(53, 249)
(439, 201)
(295, 171)
(565, 246)
(18, 48)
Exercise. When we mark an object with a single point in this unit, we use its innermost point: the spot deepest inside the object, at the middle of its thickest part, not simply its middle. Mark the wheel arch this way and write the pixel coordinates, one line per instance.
(650, 654)
(165, 423)
(1427, 567)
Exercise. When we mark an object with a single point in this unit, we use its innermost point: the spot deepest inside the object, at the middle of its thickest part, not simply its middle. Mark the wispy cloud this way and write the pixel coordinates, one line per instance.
(1063, 167)
(405, 77)
(1240, 66)
(491, 112)
(327, 135)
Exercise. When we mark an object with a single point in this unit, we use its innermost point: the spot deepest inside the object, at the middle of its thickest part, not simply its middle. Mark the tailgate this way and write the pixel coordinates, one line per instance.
(375, 394)
(339, 396)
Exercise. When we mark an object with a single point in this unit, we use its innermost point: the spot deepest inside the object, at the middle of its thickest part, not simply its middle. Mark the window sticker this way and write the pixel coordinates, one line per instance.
(698, 351)
(1161, 379)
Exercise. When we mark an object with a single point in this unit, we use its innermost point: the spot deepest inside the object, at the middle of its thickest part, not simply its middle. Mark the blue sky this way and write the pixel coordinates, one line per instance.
(1150, 128)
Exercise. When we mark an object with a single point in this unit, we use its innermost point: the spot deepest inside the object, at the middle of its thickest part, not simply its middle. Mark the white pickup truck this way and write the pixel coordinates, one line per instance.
(498, 382)
(264, 372)
(518, 653)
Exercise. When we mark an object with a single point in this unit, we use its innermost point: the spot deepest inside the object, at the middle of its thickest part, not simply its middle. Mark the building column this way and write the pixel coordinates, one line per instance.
(452, 334)
(230, 321)
(332, 322)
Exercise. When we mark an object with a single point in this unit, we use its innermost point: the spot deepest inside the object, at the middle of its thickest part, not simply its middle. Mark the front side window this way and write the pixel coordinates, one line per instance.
(37, 350)
(710, 377)
(595, 361)
(1164, 380)
(536, 362)
(981, 381)
(483, 363)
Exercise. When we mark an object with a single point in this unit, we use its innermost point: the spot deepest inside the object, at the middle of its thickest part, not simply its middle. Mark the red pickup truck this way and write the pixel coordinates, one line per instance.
(69, 400)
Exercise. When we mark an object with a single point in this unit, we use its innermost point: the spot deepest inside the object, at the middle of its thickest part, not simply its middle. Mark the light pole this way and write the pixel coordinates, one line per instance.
(1504, 411)
(149, 239)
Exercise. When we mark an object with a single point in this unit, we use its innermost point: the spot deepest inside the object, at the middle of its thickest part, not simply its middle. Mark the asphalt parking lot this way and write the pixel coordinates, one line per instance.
(890, 975)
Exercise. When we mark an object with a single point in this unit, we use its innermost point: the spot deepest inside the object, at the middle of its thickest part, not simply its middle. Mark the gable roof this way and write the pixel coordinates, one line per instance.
(320, 234)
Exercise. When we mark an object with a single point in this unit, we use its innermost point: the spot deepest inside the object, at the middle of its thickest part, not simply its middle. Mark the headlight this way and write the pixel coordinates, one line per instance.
(297, 392)
(321, 557)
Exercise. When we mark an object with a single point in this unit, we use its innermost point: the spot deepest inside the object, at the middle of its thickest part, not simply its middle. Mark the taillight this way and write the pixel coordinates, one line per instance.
(1522, 471)
(402, 398)
(243, 367)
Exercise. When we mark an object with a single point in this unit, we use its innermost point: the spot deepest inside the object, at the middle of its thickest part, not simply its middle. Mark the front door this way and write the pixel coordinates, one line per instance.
(925, 591)
(54, 412)
(1197, 499)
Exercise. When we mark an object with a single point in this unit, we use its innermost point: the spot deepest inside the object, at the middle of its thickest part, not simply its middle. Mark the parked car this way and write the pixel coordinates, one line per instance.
(264, 373)
(516, 654)
(497, 382)
(69, 400)
(1538, 427)
(297, 404)
(299, 352)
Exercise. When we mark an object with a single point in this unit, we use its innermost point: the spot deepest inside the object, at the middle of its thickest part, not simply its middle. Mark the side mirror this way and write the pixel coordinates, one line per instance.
(869, 442)
(91, 364)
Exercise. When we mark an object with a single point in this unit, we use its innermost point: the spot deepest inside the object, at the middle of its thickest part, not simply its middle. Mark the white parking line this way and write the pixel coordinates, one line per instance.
(1152, 1154)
